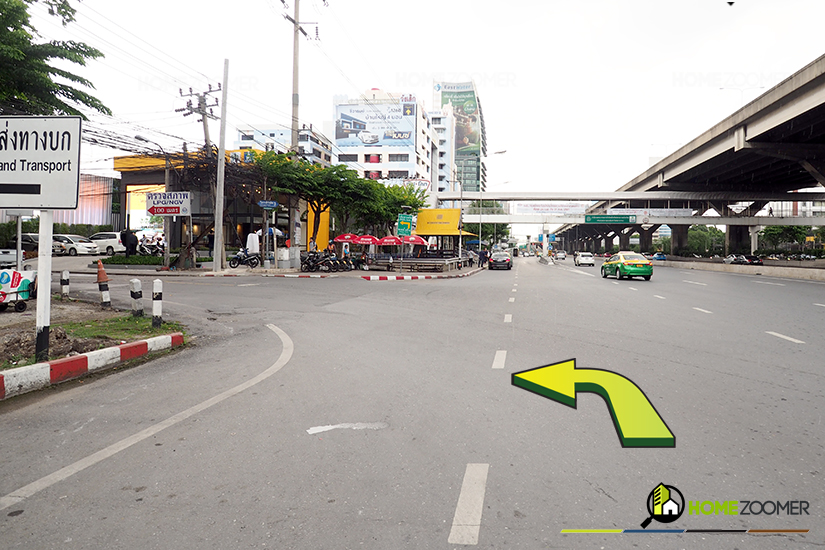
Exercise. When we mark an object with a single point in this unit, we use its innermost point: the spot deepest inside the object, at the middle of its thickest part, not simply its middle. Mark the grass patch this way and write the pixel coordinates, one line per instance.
(126, 327)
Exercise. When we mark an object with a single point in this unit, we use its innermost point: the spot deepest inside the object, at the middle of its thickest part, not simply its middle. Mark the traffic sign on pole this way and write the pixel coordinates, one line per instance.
(404, 225)
(174, 203)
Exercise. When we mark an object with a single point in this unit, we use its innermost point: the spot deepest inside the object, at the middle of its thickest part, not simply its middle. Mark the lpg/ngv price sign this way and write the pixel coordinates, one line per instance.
(174, 203)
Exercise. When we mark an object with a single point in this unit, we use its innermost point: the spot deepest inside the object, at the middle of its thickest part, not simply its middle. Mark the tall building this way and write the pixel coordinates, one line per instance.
(387, 137)
(313, 145)
(470, 133)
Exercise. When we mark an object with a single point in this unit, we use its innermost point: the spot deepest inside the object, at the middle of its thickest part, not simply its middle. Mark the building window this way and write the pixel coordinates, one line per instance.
(398, 173)
(271, 134)
(400, 157)
(348, 158)
(302, 137)
(247, 137)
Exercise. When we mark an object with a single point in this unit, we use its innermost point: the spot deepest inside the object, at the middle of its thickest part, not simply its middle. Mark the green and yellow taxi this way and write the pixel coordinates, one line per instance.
(627, 264)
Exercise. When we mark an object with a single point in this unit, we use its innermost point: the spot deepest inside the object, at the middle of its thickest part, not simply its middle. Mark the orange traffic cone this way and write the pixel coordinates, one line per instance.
(101, 273)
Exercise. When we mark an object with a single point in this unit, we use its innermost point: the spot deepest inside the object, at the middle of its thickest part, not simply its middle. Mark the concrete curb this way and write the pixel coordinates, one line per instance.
(415, 277)
(40, 375)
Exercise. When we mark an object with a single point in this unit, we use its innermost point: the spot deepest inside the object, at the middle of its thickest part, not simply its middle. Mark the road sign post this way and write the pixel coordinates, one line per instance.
(405, 225)
(175, 203)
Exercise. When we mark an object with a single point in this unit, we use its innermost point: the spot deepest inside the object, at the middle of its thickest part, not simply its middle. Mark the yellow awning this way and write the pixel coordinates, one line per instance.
(439, 221)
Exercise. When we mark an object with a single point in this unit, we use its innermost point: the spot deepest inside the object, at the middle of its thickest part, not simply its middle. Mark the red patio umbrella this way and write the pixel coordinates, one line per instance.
(389, 240)
(414, 239)
(365, 239)
(345, 238)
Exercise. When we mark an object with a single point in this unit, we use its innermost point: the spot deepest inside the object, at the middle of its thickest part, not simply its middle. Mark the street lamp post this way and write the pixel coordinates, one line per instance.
(166, 236)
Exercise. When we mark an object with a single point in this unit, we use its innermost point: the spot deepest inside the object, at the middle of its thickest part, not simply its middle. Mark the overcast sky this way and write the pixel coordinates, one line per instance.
(581, 94)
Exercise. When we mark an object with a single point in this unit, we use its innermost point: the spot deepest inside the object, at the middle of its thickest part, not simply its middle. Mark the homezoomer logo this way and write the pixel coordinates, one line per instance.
(665, 504)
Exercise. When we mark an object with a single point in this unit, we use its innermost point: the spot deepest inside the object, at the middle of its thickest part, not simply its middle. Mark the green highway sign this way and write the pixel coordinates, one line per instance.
(405, 225)
(607, 218)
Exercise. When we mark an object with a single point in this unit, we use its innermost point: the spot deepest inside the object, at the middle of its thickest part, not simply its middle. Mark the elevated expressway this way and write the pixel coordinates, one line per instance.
(771, 150)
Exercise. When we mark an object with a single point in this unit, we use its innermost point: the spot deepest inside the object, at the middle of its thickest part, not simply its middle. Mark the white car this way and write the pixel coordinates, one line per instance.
(584, 258)
(108, 242)
(367, 137)
(561, 255)
(75, 244)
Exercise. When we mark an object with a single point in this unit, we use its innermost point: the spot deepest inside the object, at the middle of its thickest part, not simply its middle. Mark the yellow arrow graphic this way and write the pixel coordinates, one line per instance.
(636, 420)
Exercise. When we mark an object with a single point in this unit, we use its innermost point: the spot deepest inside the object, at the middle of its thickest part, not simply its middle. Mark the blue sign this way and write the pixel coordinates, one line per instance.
(268, 205)
(551, 238)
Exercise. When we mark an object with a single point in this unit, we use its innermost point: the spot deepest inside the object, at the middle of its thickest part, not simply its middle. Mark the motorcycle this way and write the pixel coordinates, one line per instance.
(243, 257)
(149, 249)
(312, 262)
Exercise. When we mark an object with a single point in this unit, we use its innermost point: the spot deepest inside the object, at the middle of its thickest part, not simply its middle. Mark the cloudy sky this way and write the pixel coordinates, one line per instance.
(581, 95)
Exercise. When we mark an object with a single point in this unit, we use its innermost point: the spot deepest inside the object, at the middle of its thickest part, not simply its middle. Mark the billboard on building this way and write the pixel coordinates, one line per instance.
(377, 124)
(462, 97)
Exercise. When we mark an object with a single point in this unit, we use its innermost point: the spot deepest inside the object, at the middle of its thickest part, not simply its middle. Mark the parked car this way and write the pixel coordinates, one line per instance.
(28, 241)
(737, 259)
(754, 260)
(76, 244)
(584, 258)
(628, 264)
(109, 242)
(500, 260)
(660, 256)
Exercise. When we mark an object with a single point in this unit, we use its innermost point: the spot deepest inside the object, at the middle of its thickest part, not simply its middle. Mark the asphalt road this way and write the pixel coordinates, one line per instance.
(341, 413)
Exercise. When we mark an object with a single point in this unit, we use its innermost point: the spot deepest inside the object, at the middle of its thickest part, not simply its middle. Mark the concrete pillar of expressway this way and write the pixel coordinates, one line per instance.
(645, 240)
(736, 239)
(608, 244)
(624, 240)
(754, 231)
(678, 238)
(594, 245)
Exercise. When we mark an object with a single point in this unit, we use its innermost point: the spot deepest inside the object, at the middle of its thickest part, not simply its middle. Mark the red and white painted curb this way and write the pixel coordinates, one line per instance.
(21, 380)
(413, 277)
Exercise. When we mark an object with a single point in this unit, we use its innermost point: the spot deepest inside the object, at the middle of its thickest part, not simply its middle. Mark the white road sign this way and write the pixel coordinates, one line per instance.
(171, 203)
(39, 162)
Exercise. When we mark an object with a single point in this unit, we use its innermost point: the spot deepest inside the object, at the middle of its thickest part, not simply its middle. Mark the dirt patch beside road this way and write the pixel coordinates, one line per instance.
(18, 330)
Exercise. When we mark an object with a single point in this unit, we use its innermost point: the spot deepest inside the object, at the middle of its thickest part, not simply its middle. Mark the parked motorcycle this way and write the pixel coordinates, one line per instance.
(149, 249)
(312, 261)
(243, 257)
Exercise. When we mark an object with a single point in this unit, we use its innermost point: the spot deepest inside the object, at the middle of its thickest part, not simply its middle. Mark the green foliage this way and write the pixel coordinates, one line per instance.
(705, 240)
(358, 204)
(783, 234)
(31, 78)
(120, 259)
(491, 232)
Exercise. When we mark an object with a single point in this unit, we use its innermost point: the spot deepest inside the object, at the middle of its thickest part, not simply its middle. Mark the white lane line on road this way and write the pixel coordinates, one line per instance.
(788, 338)
(34, 487)
(615, 282)
(512, 300)
(632, 288)
(702, 310)
(580, 272)
(508, 318)
(767, 283)
(694, 283)
(820, 305)
(515, 290)
(251, 284)
(660, 297)
(349, 426)
(467, 519)
(500, 358)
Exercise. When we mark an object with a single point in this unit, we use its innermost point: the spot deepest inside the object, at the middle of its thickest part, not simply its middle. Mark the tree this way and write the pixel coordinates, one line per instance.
(781, 234)
(703, 239)
(30, 82)
(491, 232)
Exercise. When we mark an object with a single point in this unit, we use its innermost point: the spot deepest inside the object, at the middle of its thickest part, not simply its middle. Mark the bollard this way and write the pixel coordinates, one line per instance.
(64, 284)
(137, 297)
(157, 303)
(103, 285)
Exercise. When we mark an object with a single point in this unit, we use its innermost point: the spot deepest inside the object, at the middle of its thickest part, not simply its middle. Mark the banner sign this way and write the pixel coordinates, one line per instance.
(174, 203)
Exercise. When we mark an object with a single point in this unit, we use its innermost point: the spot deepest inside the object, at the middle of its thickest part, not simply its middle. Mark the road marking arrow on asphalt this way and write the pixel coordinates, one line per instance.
(636, 420)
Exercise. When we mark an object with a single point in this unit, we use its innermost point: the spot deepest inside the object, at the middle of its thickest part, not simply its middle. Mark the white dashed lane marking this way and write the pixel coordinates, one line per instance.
(467, 519)
(788, 338)
(508, 318)
(702, 310)
(500, 358)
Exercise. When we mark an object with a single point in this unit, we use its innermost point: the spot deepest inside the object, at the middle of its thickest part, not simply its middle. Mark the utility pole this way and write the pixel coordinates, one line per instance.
(205, 111)
(218, 262)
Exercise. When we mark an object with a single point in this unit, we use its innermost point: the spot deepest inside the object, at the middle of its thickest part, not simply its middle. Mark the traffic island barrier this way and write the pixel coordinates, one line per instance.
(22, 380)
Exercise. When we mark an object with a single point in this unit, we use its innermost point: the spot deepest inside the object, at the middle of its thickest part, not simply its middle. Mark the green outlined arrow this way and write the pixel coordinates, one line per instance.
(636, 420)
